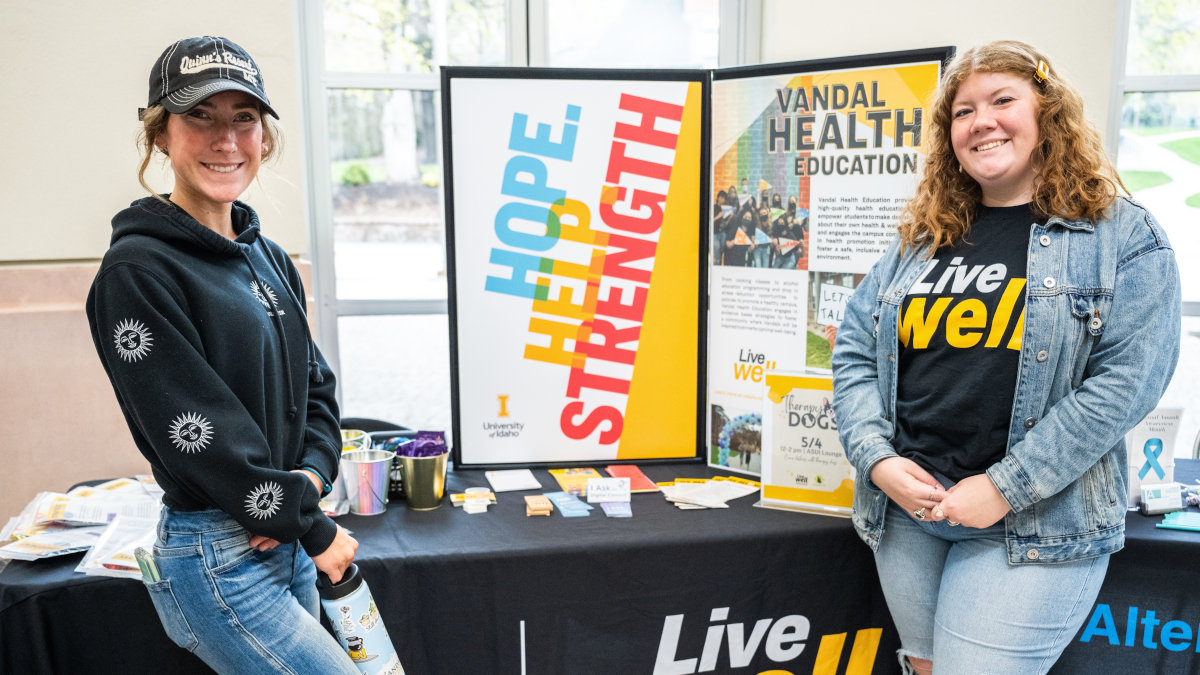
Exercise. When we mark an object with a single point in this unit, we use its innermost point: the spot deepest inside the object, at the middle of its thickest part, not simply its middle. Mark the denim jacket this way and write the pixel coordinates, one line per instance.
(1101, 339)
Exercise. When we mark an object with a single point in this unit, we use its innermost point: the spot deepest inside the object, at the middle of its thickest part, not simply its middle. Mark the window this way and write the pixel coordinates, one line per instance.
(1158, 157)
(374, 135)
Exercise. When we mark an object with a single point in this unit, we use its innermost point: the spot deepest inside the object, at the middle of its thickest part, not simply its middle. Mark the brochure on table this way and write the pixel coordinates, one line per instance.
(1151, 451)
(601, 306)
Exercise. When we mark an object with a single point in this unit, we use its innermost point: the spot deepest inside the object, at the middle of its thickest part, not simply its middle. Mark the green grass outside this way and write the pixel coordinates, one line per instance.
(818, 355)
(376, 171)
(1193, 201)
(1187, 148)
(431, 174)
(1140, 180)
(1158, 131)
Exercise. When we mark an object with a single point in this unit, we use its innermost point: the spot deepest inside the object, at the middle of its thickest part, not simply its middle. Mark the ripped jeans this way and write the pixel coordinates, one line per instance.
(955, 599)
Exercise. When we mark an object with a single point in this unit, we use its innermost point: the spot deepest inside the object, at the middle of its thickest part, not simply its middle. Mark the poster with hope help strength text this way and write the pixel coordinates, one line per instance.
(573, 228)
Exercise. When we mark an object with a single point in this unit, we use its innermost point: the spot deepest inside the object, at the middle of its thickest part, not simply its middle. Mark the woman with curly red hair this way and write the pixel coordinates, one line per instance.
(989, 366)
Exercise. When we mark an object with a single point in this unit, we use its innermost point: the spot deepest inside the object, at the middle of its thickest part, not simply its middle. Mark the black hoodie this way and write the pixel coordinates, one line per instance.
(207, 347)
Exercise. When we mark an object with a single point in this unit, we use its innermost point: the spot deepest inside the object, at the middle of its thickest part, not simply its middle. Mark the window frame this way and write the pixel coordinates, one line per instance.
(739, 43)
(1126, 84)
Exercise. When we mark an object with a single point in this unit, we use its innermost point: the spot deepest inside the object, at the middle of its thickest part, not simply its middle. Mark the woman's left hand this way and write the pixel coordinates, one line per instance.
(263, 543)
(974, 502)
(266, 543)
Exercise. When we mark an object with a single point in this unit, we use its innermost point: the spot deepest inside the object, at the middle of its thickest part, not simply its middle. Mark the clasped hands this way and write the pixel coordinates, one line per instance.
(974, 501)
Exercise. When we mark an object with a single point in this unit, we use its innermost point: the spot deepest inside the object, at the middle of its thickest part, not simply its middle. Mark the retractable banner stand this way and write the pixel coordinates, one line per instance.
(574, 248)
(811, 165)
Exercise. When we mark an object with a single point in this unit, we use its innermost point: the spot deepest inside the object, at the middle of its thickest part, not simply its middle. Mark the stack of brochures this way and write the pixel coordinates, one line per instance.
(702, 493)
(112, 519)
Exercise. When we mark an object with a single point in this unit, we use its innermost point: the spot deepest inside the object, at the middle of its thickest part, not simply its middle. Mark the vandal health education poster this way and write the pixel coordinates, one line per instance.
(811, 166)
(574, 244)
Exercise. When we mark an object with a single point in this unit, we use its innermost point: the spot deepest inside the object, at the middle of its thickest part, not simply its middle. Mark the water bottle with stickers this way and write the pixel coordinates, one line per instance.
(357, 625)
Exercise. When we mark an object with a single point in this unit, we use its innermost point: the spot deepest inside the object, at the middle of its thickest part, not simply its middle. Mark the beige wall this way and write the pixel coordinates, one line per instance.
(1078, 35)
(73, 76)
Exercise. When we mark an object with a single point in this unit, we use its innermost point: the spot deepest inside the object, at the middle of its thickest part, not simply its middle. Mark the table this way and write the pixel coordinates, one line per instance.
(741, 590)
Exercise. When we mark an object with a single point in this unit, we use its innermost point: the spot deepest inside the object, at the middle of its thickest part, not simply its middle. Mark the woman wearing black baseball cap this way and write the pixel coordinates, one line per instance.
(199, 323)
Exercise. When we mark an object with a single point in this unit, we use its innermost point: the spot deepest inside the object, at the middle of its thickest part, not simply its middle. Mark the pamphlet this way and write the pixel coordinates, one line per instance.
(569, 505)
(617, 509)
(574, 480)
(113, 553)
(51, 544)
(1151, 450)
(512, 480)
(638, 482)
(710, 494)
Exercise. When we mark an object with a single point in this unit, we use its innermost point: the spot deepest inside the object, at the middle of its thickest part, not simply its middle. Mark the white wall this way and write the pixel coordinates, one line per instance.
(74, 75)
(1078, 35)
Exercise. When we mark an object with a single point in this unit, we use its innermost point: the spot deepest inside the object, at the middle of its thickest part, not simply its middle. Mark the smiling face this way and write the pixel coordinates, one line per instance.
(215, 149)
(994, 131)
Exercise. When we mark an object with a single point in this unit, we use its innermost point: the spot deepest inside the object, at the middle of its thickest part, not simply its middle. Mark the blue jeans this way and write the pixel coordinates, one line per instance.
(956, 600)
(238, 609)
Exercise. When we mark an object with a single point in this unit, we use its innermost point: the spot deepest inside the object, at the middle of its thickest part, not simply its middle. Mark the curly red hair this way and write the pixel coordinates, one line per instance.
(1075, 179)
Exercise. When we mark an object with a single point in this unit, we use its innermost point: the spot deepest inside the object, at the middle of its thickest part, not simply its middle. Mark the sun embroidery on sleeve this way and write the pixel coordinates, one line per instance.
(133, 340)
(190, 432)
(264, 294)
(264, 501)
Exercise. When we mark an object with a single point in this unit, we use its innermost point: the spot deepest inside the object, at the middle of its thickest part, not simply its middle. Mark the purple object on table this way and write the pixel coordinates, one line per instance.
(426, 444)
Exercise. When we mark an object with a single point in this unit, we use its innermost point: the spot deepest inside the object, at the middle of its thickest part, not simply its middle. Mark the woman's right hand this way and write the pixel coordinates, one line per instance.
(335, 560)
(907, 484)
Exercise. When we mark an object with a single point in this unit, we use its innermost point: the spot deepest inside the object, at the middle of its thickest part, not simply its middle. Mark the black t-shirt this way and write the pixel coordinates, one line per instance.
(961, 326)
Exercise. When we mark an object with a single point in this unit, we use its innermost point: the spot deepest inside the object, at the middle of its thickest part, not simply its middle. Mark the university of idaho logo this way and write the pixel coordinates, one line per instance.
(190, 432)
(264, 294)
(133, 340)
(264, 501)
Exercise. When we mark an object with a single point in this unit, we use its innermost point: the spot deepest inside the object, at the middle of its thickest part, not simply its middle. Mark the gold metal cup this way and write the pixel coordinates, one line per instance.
(424, 480)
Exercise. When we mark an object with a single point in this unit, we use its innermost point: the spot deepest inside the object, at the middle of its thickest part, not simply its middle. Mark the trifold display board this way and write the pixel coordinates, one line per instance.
(586, 211)
(573, 220)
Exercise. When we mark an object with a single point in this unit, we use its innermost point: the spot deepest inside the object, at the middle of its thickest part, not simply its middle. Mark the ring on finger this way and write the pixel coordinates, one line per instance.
(919, 514)
(938, 513)
(932, 492)
(953, 523)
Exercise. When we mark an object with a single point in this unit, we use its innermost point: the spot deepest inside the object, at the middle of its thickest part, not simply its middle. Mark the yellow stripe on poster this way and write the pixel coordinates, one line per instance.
(660, 416)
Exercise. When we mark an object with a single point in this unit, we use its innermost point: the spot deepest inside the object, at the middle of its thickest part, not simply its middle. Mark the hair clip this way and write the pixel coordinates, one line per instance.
(1043, 71)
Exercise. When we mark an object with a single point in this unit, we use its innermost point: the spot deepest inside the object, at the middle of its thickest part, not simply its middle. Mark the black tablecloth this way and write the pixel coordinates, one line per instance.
(738, 590)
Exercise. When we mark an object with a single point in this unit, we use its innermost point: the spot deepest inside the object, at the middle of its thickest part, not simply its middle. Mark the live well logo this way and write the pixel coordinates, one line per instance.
(781, 640)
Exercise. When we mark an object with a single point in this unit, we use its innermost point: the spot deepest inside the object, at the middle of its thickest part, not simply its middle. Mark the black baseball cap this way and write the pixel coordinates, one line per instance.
(193, 69)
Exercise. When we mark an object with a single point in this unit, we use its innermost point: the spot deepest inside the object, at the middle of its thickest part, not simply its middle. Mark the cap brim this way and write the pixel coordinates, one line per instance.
(184, 99)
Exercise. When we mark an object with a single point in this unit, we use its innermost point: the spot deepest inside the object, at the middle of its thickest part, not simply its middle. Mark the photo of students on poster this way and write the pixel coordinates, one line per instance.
(757, 231)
